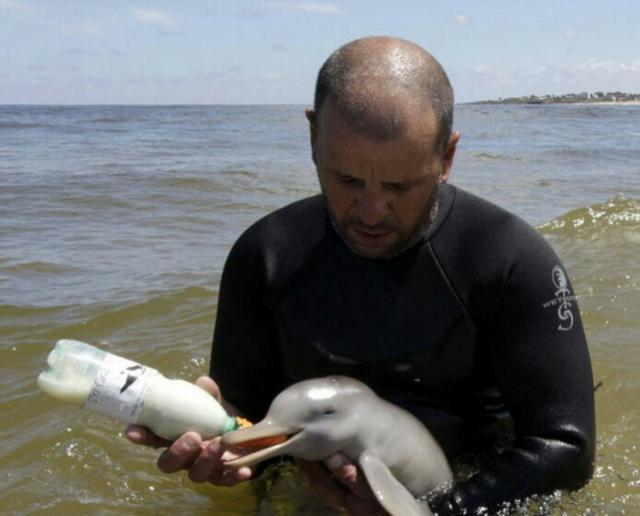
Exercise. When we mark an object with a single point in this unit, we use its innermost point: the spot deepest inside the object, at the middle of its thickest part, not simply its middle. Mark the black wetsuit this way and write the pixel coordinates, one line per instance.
(478, 315)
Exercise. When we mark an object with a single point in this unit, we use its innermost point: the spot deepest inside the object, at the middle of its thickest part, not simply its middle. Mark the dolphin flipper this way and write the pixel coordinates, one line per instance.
(391, 494)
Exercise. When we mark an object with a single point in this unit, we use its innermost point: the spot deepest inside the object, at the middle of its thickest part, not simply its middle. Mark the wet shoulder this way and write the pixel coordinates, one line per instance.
(478, 225)
(479, 246)
(283, 240)
(290, 225)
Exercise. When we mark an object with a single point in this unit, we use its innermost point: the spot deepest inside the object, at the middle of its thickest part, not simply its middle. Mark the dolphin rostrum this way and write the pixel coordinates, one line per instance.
(315, 418)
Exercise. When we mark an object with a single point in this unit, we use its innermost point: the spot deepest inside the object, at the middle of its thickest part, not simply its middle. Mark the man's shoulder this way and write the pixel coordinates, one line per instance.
(281, 242)
(467, 203)
(294, 222)
(479, 220)
(482, 244)
(309, 209)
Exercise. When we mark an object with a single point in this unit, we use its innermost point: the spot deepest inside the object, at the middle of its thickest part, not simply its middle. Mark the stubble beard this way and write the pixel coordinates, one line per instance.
(419, 232)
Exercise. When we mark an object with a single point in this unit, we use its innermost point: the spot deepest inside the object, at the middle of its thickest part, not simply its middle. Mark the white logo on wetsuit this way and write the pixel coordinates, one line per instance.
(563, 299)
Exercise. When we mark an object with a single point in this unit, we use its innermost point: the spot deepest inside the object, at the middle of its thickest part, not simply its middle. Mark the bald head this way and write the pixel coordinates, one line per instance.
(376, 83)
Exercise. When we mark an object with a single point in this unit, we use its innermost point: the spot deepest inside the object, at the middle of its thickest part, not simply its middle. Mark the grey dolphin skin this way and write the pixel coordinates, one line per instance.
(316, 418)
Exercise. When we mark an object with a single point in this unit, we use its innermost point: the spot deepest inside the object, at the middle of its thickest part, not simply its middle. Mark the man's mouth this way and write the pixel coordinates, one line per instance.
(371, 238)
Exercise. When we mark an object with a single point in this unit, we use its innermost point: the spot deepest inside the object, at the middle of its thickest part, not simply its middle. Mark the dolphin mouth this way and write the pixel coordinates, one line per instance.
(267, 441)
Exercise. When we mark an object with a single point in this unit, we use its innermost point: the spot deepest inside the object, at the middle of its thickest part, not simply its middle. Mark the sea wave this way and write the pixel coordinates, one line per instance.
(111, 120)
(486, 156)
(599, 244)
(620, 214)
(36, 267)
(189, 304)
(177, 179)
(596, 152)
(590, 110)
(22, 125)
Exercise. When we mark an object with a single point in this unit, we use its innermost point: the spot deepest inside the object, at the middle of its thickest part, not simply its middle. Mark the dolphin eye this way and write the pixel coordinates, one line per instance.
(329, 412)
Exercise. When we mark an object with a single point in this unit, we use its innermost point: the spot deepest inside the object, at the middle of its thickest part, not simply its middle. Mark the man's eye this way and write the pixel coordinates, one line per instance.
(398, 187)
(348, 180)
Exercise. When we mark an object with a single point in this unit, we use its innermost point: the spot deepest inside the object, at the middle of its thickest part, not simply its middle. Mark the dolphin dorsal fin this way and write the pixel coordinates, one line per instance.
(391, 494)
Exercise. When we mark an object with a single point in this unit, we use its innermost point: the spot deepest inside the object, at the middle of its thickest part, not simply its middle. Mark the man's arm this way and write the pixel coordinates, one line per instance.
(541, 364)
(245, 359)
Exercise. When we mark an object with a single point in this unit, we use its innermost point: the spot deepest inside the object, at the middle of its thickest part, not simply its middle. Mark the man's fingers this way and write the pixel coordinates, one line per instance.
(323, 483)
(141, 435)
(339, 482)
(206, 383)
(230, 477)
(181, 453)
(347, 473)
(208, 464)
(204, 460)
(209, 467)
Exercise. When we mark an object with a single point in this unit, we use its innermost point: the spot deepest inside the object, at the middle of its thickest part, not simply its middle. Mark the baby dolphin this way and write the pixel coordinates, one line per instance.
(315, 418)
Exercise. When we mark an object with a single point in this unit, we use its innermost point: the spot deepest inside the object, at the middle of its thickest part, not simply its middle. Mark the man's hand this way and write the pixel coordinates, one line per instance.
(203, 459)
(342, 484)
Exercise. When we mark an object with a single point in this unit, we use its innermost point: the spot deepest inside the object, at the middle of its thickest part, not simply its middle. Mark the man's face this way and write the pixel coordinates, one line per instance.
(379, 193)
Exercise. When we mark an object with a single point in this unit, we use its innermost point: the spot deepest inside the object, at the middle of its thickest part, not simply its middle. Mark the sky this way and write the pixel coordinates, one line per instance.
(269, 52)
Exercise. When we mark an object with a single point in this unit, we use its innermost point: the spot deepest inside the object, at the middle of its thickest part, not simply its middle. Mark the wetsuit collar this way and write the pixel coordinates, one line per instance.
(444, 202)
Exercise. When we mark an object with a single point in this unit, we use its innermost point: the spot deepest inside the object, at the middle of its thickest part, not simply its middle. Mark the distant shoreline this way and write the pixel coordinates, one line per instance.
(562, 103)
(598, 98)
(609, 103)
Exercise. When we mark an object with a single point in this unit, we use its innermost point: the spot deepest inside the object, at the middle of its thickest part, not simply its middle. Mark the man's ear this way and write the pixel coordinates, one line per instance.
(449, 153)
(313, 131)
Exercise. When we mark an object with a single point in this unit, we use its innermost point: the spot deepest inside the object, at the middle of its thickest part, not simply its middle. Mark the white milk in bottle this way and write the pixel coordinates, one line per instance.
(88, 377)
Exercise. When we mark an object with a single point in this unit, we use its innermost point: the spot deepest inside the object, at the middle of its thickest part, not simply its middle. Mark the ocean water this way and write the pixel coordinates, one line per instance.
(115, 223)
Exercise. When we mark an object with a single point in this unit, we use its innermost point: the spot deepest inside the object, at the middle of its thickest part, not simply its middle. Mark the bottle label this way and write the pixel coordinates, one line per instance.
(120, 388)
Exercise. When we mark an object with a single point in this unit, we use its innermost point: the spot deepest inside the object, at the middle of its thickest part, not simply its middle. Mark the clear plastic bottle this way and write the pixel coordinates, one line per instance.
(88, 377)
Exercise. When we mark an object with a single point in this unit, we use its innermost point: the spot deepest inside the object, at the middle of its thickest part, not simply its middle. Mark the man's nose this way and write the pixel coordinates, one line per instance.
(372, 206)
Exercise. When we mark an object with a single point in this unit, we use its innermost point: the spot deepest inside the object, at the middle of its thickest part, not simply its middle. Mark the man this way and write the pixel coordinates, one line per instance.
(441, 302)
